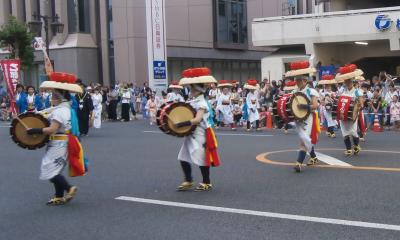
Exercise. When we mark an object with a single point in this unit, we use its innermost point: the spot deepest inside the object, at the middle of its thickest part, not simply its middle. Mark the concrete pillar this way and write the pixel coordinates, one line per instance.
(4, 11)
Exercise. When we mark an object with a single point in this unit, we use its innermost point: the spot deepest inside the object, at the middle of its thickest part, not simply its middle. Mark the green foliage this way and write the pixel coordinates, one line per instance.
(16, 35)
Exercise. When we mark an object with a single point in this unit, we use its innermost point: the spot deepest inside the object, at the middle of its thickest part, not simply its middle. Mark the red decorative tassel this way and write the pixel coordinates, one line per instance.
(75, 157)
(314, 130)
(299, 65)
(362, 123)
(348, 68)
(212, 158)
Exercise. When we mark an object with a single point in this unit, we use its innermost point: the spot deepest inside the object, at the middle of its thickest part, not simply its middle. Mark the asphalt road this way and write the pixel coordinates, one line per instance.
(135, 160)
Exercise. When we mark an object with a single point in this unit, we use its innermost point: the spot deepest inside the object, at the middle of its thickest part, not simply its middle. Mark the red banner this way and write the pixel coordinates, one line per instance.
(11, 69)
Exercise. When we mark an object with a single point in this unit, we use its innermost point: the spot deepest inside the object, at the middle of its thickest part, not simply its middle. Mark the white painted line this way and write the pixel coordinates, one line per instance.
(264, 214)
(331, 160)
(3, 126)
(227, 134)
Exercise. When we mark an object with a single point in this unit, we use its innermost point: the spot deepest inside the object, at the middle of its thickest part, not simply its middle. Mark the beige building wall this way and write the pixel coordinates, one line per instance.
(189, 34)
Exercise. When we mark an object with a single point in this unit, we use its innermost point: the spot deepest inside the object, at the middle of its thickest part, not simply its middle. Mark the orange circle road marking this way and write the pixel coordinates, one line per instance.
(263, 157)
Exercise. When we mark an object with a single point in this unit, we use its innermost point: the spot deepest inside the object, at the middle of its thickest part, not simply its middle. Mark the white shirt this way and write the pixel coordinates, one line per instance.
(62, 114)
(126, 96)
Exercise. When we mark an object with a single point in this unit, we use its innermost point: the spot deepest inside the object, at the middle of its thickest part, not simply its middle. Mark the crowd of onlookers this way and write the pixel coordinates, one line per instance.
(125, 101)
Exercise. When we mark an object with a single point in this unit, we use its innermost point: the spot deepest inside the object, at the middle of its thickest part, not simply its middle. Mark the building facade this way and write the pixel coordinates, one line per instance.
(210, 33)
(365, 32)
(105, 40)
(82, 47)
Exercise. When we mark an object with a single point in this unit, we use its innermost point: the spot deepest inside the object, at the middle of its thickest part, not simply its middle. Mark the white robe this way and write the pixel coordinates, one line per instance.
(252, 108)
(304, 128)
(225, 111)
(174, 97)
(55, 158)
(97, 99)
(193, 148)
(350, 128)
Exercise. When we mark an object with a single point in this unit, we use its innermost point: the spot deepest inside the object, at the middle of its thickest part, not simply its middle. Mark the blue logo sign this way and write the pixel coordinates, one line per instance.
(383, 22)
(398, 24)
(159, 70)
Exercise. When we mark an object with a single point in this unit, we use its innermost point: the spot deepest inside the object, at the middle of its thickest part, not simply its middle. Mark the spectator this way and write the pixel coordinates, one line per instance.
(125, 101)
(375, 107)
(395, 112)
(112, 105)
(85, 109)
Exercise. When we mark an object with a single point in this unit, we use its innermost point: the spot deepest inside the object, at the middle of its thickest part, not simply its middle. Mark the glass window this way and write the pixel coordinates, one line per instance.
(231, 27)
(78, 16)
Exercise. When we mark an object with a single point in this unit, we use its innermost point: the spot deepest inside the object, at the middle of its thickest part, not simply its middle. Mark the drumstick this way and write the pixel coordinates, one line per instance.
(22, 123)
(170, 119)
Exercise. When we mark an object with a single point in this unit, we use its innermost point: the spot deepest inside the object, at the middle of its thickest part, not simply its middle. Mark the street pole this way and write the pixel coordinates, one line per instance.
(46, 30)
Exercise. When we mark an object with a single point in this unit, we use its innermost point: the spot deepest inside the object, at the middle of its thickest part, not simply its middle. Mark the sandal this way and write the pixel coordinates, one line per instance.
(312, 161)
(184, 186)
(203, 187)
(348, 153)
(71, 193)
(56, 201)
(297, 167)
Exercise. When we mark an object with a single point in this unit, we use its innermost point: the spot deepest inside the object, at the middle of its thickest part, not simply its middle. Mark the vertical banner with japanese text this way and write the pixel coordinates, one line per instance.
(11, 69)
(156, 44)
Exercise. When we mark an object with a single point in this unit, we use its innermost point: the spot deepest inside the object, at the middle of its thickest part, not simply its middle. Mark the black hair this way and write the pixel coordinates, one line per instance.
(30, 86)
(19, 86)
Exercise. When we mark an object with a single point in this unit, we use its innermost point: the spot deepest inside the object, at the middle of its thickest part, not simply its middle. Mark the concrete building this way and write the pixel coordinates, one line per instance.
(211, 33)
(105, 40)
(82, 48)
(365, 32)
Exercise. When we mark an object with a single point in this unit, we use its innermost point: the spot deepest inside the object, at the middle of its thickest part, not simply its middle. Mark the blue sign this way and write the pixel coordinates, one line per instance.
(327, 70)
(159, 70)
(398, 24)
(383, 22)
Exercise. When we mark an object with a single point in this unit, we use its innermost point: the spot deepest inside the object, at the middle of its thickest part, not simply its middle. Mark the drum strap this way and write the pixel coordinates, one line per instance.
(308, 92)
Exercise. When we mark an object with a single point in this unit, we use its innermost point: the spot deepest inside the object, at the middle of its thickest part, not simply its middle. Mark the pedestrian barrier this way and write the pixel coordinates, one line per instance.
(377, 127)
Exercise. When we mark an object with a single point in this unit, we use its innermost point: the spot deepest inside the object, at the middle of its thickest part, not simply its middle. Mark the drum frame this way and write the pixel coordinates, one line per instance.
(21, 117)
(289, 103)
(162, 119)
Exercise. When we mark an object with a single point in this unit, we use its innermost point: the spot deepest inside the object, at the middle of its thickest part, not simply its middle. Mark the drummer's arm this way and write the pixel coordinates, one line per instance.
(50, 130)
(199, 117)
(314, 103)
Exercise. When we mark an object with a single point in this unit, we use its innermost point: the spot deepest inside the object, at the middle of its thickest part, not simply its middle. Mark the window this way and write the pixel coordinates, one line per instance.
(78, 16)
(231, 23)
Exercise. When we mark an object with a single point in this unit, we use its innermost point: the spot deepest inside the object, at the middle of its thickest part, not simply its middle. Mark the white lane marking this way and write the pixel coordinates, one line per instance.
(331, 160)
(5, 126)
(264, 214)
(227, 134)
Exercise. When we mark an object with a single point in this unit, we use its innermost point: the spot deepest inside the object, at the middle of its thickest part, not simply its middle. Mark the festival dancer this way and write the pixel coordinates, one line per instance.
(199, 148)
(224, 104)
(174, 95)
(97, 99)
(327, 100)
(308, 129)
(350, 94)
(252, 104)
(63, 144)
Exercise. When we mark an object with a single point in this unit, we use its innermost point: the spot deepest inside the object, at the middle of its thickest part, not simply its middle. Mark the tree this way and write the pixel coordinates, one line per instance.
(16, 35)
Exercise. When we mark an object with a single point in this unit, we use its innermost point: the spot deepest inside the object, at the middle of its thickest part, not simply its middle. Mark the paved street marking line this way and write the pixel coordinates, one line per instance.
(263, 157)
(331, 160)
(264, 214)
(227, 134)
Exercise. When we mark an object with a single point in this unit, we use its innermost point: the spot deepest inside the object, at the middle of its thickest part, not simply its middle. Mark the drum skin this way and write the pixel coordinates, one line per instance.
(173, 113)
(21, 138)
(297, 99)
(286, 107)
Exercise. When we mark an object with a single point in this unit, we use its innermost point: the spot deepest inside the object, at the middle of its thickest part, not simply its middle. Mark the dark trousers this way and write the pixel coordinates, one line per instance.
(125, 111)
(60, 185)
(187, 171)
(83, 120)
(112, 110)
